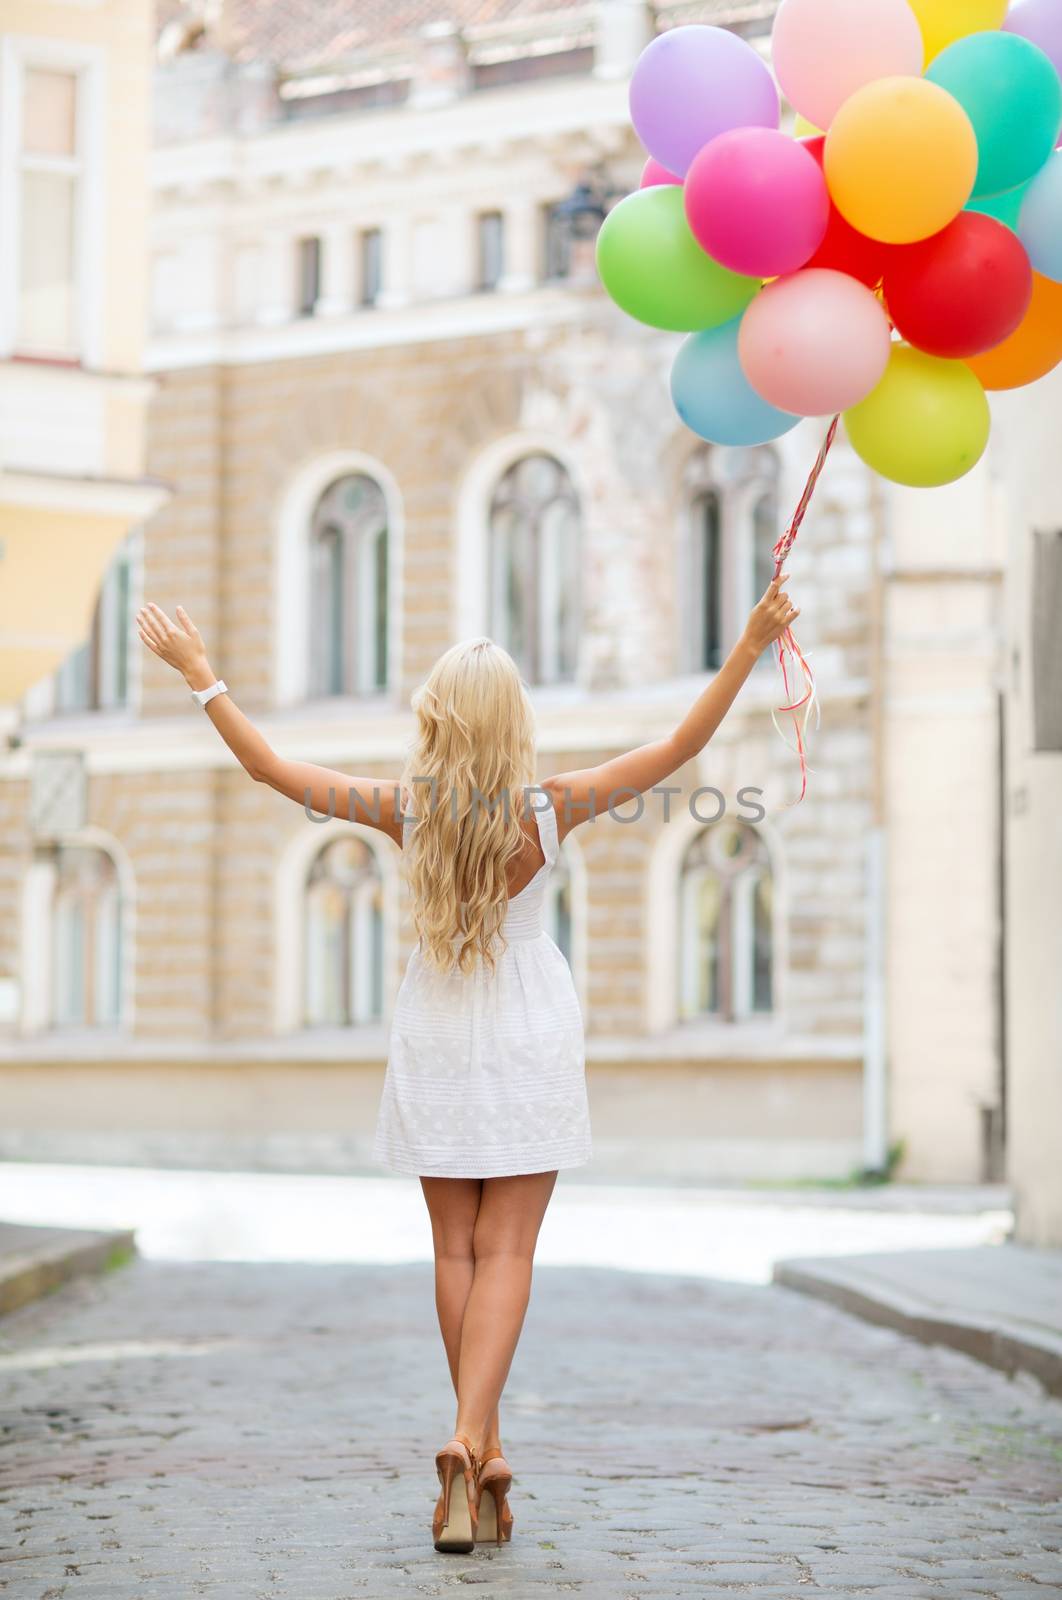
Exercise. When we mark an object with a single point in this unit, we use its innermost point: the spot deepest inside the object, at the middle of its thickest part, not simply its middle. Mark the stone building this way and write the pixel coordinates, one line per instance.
(1032, 792)
(396, 410)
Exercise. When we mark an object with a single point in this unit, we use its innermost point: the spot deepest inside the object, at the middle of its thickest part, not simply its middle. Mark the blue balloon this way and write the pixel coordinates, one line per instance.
(1040, 222)
(713, 396)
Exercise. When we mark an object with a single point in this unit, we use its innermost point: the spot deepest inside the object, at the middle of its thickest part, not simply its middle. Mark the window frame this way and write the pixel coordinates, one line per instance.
(707, 1035)
(101, 649)
(309, 262)
(291, 876)
(543, 578)
(737, 940)
(352, 654)
(292, 680)
(36, 974)
(490, 250)
(555, 244)
(739, 486)
(363, 982)
(371, 265)
(18, 55)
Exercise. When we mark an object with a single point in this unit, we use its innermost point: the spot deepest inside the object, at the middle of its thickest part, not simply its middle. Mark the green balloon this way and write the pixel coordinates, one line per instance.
(1004, 207)
(1011, 93)
(654, 269)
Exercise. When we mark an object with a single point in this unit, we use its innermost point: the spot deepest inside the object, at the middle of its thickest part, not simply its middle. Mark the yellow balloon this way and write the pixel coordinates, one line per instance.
(926, 423)
(901, 159)
(944, 21)
(803, 129)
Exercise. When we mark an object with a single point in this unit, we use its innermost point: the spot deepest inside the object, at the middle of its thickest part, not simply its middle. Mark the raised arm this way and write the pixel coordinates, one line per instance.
(370, 800)
(578, 796)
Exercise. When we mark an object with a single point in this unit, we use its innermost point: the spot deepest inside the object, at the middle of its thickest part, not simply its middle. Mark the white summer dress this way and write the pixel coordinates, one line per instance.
(486, 1072)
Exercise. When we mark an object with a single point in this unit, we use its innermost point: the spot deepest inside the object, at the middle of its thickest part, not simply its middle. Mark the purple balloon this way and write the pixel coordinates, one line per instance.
(693, 83)
(1039, 21)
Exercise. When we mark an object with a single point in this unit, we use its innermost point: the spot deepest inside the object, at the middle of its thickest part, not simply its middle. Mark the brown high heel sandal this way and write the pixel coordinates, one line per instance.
(454, 1524)
(495, 1520)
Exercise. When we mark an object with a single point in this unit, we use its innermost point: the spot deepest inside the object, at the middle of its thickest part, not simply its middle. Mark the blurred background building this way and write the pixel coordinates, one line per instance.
(394, 409)
(74, 107)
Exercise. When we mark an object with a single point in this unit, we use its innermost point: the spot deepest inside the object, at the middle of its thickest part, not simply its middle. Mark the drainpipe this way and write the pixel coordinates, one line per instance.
(875, 1046)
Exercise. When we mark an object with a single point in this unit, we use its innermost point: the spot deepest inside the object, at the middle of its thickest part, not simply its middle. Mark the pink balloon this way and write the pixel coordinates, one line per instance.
(824, 50)
(756, 201)
(653, 174)
(815, 343)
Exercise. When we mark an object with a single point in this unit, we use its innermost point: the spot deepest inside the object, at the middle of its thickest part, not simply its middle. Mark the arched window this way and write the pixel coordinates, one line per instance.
(557, 909)
(86, 937)
(348, 589)
(534, 568)
(731, 528)
(726, 965)
(343, 970)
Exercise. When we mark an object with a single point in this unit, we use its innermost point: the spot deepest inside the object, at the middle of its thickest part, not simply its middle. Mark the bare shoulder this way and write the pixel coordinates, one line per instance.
(559, 791)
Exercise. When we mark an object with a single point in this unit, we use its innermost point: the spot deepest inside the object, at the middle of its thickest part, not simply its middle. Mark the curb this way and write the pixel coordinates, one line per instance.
(34, 1261)
(990, 1343)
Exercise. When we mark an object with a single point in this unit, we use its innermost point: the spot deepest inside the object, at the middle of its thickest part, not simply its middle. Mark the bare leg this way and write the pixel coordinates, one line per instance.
(504, 1237)
(453, 1205)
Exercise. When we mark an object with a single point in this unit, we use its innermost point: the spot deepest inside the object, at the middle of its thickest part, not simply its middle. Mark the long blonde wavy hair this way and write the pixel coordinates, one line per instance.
(472, 760)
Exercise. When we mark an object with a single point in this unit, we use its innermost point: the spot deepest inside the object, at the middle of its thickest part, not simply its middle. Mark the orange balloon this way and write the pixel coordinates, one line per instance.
(1035, 347)
(900, 159)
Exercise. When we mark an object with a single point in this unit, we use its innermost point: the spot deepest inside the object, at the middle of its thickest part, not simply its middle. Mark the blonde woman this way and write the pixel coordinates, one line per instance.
(485, 1094)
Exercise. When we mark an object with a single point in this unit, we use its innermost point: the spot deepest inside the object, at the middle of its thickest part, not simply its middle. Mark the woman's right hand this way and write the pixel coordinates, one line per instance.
(178, 643)
(771, 617)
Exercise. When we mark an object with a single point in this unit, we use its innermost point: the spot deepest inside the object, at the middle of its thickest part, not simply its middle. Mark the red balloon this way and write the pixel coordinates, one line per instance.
(961, 292)
(844, 248)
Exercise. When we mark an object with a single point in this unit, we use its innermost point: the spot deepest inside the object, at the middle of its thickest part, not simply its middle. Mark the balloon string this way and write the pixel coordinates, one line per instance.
(799, 705)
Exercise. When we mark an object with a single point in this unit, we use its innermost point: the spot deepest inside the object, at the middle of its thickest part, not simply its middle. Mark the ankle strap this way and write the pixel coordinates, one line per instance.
(491, 1455)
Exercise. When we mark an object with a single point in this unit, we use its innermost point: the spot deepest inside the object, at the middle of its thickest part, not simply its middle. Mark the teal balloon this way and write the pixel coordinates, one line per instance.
(1011, 93)
(654, 269)
(713, 396)
(1006, 208)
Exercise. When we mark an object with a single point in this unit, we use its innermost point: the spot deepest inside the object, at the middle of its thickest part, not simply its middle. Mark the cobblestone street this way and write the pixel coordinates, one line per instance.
(174, 1430)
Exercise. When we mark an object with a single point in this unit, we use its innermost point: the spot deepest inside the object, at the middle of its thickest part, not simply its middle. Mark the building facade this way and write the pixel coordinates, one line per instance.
(396, 410)
(74, 146)
(1032, 799)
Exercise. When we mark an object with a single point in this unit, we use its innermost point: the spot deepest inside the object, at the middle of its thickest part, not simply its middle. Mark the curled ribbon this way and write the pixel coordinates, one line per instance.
(799, 705)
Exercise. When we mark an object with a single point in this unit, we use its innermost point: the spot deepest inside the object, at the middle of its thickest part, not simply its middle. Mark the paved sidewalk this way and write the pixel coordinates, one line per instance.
(253, 1431)
(1002, 1304)
(34, 1261)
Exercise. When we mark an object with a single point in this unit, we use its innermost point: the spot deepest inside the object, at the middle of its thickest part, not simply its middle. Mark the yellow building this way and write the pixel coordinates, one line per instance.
(74, 135)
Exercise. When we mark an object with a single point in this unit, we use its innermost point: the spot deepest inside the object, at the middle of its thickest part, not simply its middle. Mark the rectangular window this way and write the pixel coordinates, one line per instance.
(49, 182)
(371, 265)
(707, 653)
(556, 245)
(309, 275)
(490, 242)
(1046, 657)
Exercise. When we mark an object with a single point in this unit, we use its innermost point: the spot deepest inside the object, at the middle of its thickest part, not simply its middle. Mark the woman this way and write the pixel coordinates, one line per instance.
(485, 1097)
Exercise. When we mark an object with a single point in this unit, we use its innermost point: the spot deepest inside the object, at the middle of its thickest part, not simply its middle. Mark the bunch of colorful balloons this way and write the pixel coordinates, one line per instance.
(896, 261)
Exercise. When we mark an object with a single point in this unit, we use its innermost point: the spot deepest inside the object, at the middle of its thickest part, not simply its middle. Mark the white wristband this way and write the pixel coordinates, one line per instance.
(204, 696)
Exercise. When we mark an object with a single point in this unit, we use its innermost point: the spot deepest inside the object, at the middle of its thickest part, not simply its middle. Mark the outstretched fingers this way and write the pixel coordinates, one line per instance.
(149, 628)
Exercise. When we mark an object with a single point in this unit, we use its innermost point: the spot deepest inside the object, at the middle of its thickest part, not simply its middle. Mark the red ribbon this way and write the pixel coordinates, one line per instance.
(790, 655)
